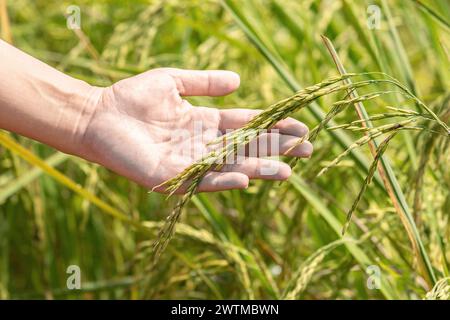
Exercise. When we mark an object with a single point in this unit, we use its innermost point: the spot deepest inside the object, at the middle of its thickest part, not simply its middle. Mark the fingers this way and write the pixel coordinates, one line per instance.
(257, 168)
(214, 181)
(237, 118)
(303, 150)
(204, 82)
(220, 181)
(237, 176)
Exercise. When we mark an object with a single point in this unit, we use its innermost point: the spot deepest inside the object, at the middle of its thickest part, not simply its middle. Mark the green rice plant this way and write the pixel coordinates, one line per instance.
(266, 120)
(385, 170)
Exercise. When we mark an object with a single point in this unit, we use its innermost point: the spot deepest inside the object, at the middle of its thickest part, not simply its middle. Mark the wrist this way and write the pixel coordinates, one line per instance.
(82, 102)
(41, 103)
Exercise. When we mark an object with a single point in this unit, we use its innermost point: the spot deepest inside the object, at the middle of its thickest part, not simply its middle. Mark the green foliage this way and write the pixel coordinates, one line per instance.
(269, 241)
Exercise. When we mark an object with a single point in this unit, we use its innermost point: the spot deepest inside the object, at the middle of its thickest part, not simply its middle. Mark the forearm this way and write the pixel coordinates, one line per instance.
(41, 103)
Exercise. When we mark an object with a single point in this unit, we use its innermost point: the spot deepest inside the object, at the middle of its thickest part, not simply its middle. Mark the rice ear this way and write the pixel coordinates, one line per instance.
(373, 167)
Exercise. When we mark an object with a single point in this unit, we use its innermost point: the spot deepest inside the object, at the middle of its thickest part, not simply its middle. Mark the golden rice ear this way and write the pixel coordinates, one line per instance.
(236, 139)
(264, 121)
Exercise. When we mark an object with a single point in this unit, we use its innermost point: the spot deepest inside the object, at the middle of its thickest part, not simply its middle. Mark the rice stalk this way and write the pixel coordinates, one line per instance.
(355, 125)
(387, 174)
(166, 233)
(370, 135)
(274, 114)
(341, 105)
(215, 159)
(336, 109)
(373, 167)
(227, 145)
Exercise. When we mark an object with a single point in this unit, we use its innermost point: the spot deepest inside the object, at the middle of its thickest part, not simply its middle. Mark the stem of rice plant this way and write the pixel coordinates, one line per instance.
(391, 184)
(380, 151)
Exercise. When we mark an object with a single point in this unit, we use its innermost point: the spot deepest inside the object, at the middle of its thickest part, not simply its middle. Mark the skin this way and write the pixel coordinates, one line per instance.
(132, 126)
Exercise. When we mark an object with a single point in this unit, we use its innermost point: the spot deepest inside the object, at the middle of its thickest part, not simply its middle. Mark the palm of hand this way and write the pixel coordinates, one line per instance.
(143, 129)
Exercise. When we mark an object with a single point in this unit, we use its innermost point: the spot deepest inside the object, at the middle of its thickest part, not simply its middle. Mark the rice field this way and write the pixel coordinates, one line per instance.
(367, 217)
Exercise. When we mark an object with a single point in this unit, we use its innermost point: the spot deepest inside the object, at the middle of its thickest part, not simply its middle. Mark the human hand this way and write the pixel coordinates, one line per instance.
(143, 129)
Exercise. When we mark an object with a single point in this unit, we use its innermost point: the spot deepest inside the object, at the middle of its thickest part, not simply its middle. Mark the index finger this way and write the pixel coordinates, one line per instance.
(204, 82)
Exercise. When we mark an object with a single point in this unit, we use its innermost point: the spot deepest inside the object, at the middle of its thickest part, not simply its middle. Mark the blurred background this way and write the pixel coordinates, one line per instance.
(267, 242)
